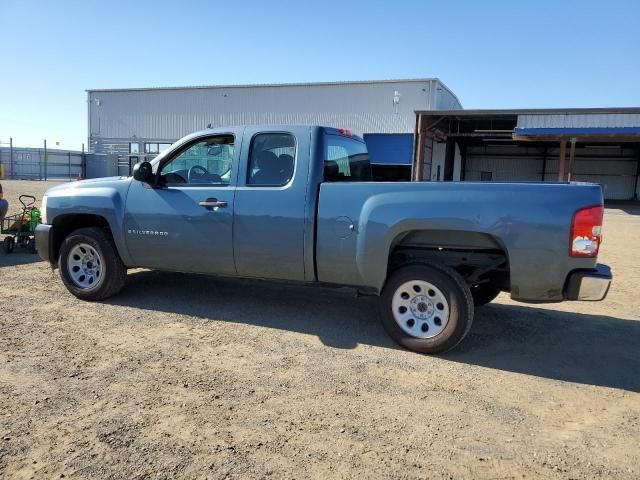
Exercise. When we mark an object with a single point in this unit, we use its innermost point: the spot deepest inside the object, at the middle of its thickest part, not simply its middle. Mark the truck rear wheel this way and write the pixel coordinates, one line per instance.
(90, 266)
(484, 293)
(427, 308)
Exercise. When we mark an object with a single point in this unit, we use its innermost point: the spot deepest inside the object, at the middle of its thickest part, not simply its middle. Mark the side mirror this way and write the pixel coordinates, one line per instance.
(143, 172)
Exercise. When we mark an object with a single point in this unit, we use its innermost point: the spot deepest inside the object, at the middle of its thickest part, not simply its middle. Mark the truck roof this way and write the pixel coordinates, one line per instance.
(274, 128)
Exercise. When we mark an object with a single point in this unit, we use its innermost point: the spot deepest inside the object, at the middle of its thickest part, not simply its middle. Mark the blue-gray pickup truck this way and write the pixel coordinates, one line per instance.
(298, 204)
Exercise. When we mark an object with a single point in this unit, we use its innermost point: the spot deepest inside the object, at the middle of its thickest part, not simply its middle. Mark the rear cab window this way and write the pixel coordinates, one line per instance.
(271, 160)
(345, 159)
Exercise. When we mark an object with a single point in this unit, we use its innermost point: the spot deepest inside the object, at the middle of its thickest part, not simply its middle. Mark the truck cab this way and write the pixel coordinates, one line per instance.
(238, 201)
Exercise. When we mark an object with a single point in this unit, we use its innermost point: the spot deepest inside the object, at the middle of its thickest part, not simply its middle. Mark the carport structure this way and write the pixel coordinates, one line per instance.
(599, 145)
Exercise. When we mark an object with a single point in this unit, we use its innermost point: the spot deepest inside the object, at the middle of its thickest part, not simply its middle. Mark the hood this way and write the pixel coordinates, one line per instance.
(91, 183)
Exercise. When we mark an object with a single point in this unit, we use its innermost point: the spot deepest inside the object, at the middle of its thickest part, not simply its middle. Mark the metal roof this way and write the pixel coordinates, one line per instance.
(258, 85)
(580, 120)
(531, 111)
(531, 124)
(579, 124)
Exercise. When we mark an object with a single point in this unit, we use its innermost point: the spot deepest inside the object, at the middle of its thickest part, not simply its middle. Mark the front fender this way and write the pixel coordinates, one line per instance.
(104, 201)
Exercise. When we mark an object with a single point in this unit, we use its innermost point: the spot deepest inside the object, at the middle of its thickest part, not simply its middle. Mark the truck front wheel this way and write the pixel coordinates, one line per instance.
(427, 308)
(90, 266)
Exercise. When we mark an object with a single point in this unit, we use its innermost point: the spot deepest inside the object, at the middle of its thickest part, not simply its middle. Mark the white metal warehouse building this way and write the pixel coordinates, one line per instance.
(135, 124)
(401, 120)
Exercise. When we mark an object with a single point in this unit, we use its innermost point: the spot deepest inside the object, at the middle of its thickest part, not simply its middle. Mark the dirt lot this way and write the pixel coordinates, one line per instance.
(188, 376)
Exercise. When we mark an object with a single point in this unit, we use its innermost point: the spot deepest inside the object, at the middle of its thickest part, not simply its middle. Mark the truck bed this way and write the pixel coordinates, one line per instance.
(529, 222)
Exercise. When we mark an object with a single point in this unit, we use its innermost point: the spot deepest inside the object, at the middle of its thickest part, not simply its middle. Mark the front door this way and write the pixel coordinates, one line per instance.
(185, 221)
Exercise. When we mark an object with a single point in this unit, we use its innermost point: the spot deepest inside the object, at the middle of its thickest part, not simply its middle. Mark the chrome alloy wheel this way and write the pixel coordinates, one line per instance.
(84, 265)
(420, 309)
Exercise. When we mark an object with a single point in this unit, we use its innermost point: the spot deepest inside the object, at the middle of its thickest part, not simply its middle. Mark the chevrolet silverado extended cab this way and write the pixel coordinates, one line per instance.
(297, 204)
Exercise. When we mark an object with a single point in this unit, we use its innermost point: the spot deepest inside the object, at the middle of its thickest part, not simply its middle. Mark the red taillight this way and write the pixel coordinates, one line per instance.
(344, 131)
(586, 232)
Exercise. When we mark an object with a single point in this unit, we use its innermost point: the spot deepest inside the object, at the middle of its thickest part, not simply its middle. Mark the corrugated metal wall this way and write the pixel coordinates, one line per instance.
(573, 120)
(116, 116)
(506, 163)
(35, 164)
(444, 99)
(103, 165)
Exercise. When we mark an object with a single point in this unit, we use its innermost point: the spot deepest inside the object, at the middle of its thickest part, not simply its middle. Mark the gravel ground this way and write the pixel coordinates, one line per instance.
(189, 376)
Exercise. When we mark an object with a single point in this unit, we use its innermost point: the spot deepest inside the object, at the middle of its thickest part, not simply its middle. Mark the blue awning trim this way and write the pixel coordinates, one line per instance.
(389, 148)
(577, 131)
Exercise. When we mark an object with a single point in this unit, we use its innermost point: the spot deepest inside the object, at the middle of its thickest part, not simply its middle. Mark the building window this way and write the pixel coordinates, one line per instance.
(155, 147)
(271, 159)
(134, 148)
(151, 148)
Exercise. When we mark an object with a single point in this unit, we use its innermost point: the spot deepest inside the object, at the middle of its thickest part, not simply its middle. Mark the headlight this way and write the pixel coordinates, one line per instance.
(43, 210)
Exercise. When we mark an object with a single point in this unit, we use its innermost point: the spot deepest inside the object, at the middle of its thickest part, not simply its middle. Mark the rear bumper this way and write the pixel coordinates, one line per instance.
(589, 285)
(43, 236)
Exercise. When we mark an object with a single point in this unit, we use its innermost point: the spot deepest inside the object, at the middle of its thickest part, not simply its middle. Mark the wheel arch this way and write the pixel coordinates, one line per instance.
(465, 251)
(449, 247)
(64, 225)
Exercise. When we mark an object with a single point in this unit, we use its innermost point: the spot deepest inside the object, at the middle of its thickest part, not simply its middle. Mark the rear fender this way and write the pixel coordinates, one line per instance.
(384, 222)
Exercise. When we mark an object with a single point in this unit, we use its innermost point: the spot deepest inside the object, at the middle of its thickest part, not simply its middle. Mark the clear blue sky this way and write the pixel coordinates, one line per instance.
(492, 54)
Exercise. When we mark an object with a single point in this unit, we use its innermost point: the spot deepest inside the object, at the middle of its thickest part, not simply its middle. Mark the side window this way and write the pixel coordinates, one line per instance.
(204, 162)
(271, 159)
(345, 160)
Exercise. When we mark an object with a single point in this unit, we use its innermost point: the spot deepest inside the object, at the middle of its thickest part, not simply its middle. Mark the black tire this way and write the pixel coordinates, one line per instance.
(455, 291)
(113, 273)
(8, 244)
(484, 293)
(31, 245)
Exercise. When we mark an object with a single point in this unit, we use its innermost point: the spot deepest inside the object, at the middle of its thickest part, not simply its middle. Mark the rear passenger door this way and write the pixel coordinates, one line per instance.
(269, 217)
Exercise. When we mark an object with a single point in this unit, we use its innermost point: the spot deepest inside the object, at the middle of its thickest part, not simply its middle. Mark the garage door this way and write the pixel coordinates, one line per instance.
(614, 167)
(504, 163)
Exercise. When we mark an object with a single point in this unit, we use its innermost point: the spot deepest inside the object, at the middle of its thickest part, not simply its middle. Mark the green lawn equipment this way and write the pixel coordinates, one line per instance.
(20, 227)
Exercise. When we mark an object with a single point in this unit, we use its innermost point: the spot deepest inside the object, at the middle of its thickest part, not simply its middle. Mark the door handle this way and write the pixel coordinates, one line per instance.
(210, 203)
